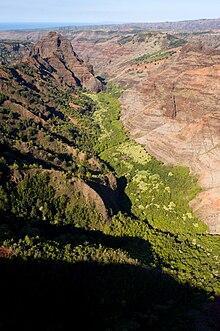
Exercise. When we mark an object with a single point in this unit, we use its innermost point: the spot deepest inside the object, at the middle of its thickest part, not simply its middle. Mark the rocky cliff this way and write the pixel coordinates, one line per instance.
(175, 113)
(57, 52)
(51, 61)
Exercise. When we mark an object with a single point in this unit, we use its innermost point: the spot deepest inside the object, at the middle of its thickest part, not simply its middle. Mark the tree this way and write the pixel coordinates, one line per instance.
(2, 98)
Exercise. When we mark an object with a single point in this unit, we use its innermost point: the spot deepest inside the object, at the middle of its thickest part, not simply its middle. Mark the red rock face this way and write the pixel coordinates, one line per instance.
(170, 106)
(175, 113)
(65, 65)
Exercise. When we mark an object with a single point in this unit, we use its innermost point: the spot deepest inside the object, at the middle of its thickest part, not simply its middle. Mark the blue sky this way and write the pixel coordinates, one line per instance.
(98, 11)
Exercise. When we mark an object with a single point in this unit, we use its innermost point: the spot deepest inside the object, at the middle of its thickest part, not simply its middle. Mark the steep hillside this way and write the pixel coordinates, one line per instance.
(171, 95)
(176, 116)
(11, 50)
(94, 231)
(115, 53)
(58, 54)
(171, 89)
(210, 38)
(39, 127)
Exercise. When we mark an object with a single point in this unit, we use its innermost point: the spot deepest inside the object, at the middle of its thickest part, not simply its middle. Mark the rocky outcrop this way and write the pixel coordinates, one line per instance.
(51, 63)
(175, 113)
(56, 52)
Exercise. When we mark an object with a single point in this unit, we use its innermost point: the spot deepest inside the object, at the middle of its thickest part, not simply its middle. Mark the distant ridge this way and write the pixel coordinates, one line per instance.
(12, 26)
(187, 25)
(199, 24)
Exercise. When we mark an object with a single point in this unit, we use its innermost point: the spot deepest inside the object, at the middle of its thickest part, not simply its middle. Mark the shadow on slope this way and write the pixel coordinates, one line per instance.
(114, 199)
(12, 155)
(49, 295)
(136, 247)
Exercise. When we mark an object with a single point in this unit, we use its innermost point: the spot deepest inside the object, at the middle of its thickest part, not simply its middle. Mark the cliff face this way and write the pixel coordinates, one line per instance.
(175, 113)
(113, 52)
(51, 61)
(55, 51)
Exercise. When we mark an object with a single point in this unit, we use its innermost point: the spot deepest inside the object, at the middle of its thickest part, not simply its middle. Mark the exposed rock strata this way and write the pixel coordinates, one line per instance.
(51, 58)
(51, 61)
(175, 113)
(64, 63)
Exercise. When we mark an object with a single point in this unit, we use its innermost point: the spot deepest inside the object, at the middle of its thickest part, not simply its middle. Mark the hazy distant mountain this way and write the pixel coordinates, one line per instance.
(197, 25)
(200, 24)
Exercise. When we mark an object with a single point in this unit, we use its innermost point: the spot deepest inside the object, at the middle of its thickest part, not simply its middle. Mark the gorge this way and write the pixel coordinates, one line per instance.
(96, 228)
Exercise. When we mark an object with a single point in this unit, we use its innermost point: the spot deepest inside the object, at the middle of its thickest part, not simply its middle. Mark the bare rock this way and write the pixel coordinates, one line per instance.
(64, 62)
(175, 113)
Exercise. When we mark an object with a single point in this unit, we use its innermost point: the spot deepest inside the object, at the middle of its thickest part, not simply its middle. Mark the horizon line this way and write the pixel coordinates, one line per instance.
(109, 22)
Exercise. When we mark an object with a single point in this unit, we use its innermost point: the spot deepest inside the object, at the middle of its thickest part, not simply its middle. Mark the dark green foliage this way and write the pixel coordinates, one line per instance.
(11, 50)
(2, 98)
(4, 206)
(33, 199)
(175, 42)
(134, 271)
(149, 58)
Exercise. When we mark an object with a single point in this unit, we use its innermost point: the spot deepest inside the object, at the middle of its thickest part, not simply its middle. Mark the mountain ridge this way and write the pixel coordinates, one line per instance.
(59, 54)
(185, 25)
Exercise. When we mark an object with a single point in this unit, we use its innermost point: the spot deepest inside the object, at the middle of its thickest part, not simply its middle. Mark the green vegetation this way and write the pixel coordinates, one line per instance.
(175, 41)
(159, 197)
(2, 98)
(11, 50)
(163, 54)
(154, 57)
(144, 267)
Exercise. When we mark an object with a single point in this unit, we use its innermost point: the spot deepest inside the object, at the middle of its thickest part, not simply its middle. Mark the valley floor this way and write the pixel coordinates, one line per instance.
(150, 266)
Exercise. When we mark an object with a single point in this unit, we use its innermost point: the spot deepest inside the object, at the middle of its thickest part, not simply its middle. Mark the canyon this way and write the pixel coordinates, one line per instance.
(171, 106)
(81, 199)
(170, 102)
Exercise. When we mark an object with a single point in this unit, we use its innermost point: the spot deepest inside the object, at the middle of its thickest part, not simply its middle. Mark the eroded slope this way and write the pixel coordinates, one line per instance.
(174, 112)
